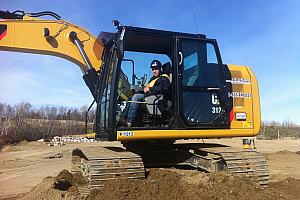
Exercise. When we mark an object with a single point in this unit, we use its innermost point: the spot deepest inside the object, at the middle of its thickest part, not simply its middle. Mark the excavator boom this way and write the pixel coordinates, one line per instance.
(49, 37)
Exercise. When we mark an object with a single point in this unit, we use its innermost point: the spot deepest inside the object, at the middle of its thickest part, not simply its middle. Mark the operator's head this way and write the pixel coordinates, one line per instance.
(156, 67)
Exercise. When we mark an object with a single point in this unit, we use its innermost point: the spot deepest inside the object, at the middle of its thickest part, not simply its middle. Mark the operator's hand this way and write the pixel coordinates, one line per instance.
(146, 89)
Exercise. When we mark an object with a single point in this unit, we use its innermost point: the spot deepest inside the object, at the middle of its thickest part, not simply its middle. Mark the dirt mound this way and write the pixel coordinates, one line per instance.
(5, 148)
(22, 143)
(158, 185)
(290, 186)
(31, 144)
(282, 154)
(285, 152)
(64, 186)
(168, 184)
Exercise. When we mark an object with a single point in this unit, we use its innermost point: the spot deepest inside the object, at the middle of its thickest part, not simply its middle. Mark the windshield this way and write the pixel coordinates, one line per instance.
(201, 67)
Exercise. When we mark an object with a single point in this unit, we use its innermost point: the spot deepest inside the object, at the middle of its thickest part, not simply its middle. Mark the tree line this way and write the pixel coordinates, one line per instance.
(275, 130)
(23, 121)
(25, 109)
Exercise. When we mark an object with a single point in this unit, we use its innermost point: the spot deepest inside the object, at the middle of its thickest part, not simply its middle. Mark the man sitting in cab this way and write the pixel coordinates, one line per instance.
(159, 83)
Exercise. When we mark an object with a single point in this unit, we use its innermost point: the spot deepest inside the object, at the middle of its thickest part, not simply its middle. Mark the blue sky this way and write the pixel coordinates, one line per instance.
(261, 34)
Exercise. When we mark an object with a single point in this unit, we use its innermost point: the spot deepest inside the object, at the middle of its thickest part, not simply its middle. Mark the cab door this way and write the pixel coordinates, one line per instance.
(203, 99)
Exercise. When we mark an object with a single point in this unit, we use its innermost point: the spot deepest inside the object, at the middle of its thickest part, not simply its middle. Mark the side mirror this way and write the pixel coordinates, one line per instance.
(144, 79)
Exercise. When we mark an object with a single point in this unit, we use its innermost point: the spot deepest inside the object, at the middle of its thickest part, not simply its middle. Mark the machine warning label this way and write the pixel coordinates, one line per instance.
(239, 95)
(247, 124)
(126, 134)
(3, 30)
(238, 81)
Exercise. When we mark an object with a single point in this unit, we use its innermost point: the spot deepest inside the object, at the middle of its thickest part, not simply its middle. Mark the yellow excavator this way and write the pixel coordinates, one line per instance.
(209, 99)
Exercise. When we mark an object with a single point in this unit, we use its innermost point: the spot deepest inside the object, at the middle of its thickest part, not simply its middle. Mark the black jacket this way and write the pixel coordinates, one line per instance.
(161, 86)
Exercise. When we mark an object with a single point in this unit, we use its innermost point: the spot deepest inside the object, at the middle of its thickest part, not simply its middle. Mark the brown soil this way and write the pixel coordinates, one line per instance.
(167, 184)
(63, 186)
(288, 186)
(283, 164)
(23, 169)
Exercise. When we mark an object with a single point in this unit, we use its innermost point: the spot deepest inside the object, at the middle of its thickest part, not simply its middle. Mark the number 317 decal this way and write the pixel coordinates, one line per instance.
(215, 101)
(216, 110)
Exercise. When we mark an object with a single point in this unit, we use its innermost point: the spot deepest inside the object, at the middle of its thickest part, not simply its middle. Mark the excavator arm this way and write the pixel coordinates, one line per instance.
(24, 33)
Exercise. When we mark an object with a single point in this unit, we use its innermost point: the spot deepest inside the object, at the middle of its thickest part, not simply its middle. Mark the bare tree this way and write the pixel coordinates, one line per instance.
(6, 113)
(62, 113)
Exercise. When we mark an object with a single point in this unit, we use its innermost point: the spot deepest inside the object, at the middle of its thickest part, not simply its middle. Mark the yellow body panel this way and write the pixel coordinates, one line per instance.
(182, 134)
(246, 98)
(28, 36)
(255, 104)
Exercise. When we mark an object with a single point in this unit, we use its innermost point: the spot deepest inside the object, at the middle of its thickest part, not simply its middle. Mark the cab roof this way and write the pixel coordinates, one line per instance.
(132, 29)
(152, 40)
(147, 40)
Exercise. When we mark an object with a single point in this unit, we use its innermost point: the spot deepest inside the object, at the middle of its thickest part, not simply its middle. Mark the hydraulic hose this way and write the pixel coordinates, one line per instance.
(19, 14)
(14, 15)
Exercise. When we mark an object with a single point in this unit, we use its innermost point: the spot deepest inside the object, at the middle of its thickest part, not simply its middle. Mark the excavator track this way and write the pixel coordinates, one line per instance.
(207, 157)
(99, 165)
(248, 163)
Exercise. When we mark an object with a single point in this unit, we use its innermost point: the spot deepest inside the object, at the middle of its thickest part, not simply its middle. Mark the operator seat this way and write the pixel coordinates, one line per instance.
(167, 69)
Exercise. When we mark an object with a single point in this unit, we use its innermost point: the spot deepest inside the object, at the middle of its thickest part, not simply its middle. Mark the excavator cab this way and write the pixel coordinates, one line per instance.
(198, 95)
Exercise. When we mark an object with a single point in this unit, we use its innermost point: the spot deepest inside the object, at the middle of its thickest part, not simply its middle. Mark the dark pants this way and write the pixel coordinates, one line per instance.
(132, 109)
